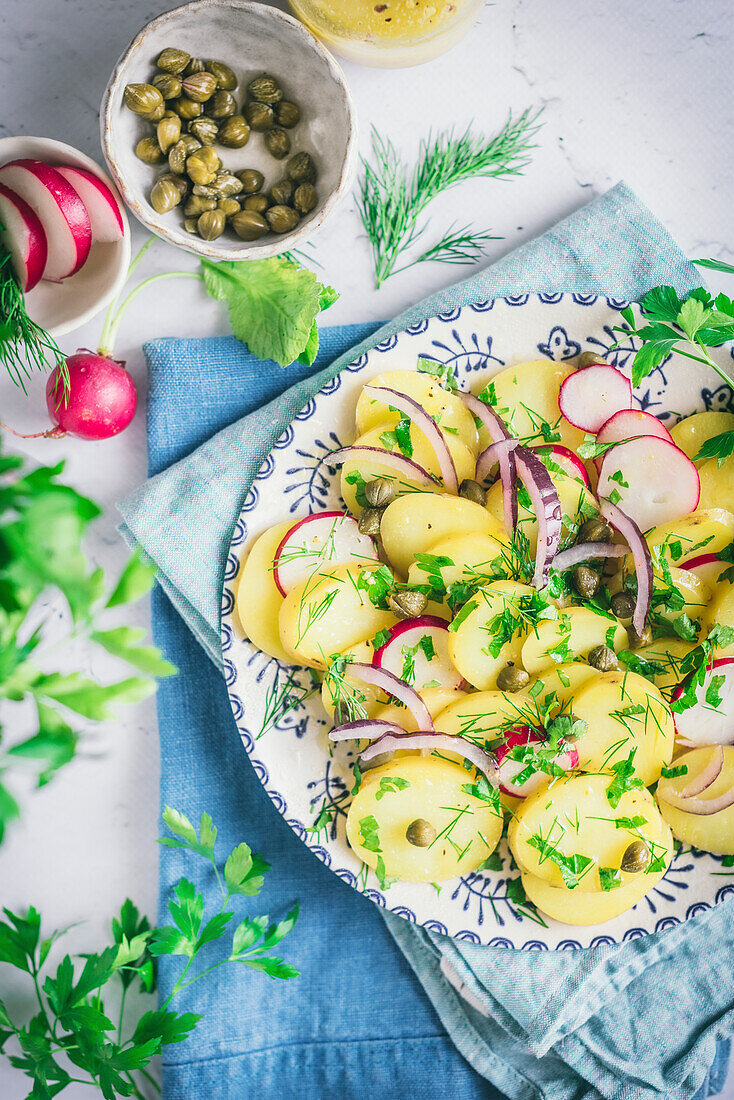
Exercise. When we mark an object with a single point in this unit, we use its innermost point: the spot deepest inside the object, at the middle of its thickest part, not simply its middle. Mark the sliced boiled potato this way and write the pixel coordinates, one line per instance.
(436, 699)
(665, 652)
(721, 608)
(258, 598)
(562, 681)
(692, 432)
(570, 637)
(576, 501)
(709, 832)
(357, 471)
(573, 817)
(624, 712)
(329, 612)
(413, 524)
(573, 907)
(705, 531)
(349, 690)
(717, 484)
(430, 790)
(485, 715)
(526, 396)
(449, 411)
(466, 558)
(491, 635)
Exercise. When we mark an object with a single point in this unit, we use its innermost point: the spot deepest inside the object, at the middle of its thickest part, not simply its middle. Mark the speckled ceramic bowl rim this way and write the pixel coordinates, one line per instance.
(181, 239)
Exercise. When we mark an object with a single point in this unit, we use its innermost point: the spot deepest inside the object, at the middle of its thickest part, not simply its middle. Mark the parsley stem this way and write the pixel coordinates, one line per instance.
(150, 1078)
(122, 1011)
(183, 985)
(107, 340)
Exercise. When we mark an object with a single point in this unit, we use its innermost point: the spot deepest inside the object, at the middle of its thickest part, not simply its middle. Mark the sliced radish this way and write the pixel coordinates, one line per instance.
(420, 663)
(323, 539)
(567, 758)
(61, 211)
(102, 206)
(22, 234)
(589, 396)
(651, 480)
(707, 567)
(569, 462)
(703, 723)
(629, 424)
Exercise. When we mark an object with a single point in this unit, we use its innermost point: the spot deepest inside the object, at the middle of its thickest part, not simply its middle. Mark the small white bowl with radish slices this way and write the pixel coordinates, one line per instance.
(66, 228)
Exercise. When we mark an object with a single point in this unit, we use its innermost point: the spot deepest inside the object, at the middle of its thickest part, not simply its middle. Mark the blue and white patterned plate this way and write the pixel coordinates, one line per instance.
(288, 749)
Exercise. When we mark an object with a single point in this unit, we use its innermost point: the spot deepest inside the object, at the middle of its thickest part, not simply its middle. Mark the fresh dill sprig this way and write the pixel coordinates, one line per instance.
(24, 345)
(391, 199)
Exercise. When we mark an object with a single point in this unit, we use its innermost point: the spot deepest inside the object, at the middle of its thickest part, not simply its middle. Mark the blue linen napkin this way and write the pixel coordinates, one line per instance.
(636, 1021)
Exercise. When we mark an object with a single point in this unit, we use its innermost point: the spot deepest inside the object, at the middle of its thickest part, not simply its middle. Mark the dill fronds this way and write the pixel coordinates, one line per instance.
(24, 345)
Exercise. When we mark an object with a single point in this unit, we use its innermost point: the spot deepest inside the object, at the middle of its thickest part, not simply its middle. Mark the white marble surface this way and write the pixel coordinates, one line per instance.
(634, 91)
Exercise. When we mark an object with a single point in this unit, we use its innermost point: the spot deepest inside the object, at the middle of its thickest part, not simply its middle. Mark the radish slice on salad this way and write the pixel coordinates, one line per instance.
(22, 234)
(547, 507)
(509, 769)
(708, 567)
(426, 741)
(319, 540)
(417, 651)
(392, 685)
(61, 211)
(589, 396)
(102, 206)
(426, 424)
(651, 480)
(564, 457)
(640, 555)
(498, 431)
(629, 424)
(710, 721)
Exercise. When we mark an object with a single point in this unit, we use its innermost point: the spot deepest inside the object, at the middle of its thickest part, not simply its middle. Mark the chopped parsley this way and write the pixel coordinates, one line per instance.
(674, 771)
(610, 877)
(624, 779)
(389, 784)
(572, 868)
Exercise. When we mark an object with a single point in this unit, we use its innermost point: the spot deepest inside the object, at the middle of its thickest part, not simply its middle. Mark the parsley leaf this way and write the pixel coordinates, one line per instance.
(610, 877)
(624, 779)
(719, 447)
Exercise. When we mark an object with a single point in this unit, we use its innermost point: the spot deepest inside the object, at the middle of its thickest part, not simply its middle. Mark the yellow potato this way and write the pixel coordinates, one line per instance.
(692, 432)
(258, 598)
(717, 484)
(573, 817)
(570, 637)
(471, 556)
(668, 652)
(413, 524)
(349, 689)
(564, 681)
(705, 531)
(436, 699)
(624, 711)
(572, 907)
(467, 829)
(709, 832)
(329, 612)
(527, 394)
(575, 499)
(449, 410)
(721, 608)
(423, 454)
(480, 648)
(485, 715)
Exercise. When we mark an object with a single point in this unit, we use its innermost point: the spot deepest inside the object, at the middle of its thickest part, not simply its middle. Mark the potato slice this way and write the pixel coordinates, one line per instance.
(705, 531)
(717, 484)
(471, 557)
(413, 524)
(574, 818)
(692, 432)
(491, 635)
(573, 907)
(330, 612)
(564, 681)
(432, 790)
(526, 395)
(576, 502)
(709, 832)
(624, 711)
(668, 652)
(437, 699)
(570, 637)
(721, 608)
(485, 715)
(258, 598)
(448, 409)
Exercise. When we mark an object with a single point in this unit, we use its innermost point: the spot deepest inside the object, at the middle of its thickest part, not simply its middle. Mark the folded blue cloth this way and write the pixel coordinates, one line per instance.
(631, 1022)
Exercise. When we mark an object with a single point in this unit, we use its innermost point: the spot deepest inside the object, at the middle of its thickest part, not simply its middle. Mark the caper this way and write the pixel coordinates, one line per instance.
(595, 529)
(172, 60)
(586, 581)
(156, 114)
(226, 184)
(278, 142)
(204, 130)
(301, 168)
(623, 604)
(305, 198)
(225, 76)
(282, 219)
(222, 105)
(177, 155)
(420, 833)
(191, 225)
(182, 185)
(149, 151)
(639, 641)
(167, 84)
(186, 108)
(202, 165)
(211, 224)
(168, 131)
(260, 116)
(281, 193)
(206, 191)
(589, 359)
(198, 204)
(164, 196)
(512, 678)
(380, 492)
(142, 99)
(234, 132)
(195, 65)
(287, 114)
(369, 521)
(229, 207)
(199, 86)
(636, 857)
(252, 180)
(248, 225)
(603, 658)
(408, 604)
(469, 490)
(257, 203)
(265, 89)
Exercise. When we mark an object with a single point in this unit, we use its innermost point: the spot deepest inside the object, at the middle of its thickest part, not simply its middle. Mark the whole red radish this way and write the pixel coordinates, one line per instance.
(101, 398)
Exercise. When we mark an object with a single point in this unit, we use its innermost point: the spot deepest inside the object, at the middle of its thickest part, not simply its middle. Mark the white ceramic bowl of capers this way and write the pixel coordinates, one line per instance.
(229, 130)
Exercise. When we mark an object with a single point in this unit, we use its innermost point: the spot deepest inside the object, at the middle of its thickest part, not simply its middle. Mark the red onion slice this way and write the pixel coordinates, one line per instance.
(584, 551)
(492, 454)
(711, 772)
(429, 740)
(364, 728)
(640, 554)
(544, 498)
(405, 466)
(426, 424)
(397, 688)
(498, 430)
